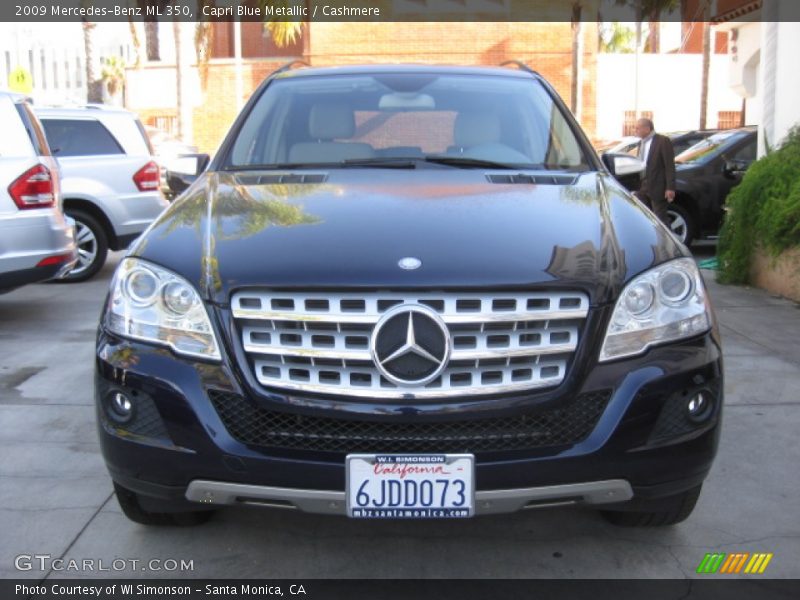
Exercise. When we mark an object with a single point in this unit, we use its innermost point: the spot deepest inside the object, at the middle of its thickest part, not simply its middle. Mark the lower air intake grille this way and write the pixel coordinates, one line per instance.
(568, 424)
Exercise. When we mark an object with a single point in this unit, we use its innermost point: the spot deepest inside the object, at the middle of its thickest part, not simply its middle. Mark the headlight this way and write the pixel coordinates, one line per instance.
(151, 304)
(664, 304)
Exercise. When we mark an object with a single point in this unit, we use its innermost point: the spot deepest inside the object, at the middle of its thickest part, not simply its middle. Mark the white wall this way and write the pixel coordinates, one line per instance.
(787, 78)
(154, 87)
(669, 86)
(765, 70)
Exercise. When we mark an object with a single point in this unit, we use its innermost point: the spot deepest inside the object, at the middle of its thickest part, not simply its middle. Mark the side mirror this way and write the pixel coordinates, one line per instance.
(183, 170)
(733, 168)
(187, 164)
(626, 169)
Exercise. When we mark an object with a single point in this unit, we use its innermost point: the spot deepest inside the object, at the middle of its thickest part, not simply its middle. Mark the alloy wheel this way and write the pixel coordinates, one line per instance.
(678, 225)
(87, 247)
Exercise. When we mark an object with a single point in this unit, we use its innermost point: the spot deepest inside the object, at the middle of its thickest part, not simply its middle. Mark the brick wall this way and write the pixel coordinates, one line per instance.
(693, 39)
(212, 119)
(546, 47)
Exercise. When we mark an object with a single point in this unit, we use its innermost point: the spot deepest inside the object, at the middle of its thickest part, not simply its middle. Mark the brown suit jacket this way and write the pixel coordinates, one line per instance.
(659, 175)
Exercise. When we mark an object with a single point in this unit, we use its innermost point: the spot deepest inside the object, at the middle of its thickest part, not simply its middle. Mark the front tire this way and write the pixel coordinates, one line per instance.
(132, 508)
(656, 513)
(92, 247)
(681, 223)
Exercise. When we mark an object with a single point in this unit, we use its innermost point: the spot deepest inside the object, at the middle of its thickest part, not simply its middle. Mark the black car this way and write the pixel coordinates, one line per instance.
(705, 174)
(408, 292)
(683, 140)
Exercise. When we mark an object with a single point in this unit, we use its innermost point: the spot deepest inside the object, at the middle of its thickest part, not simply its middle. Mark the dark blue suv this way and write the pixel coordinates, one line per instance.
(408, 292)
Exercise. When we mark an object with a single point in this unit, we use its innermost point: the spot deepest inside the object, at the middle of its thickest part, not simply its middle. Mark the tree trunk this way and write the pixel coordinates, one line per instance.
(203, 44)
(743, 114)
(94, 88)
(654, 36)
(151, 40)
(137, 44)
(706, 66)
(176, 32)
(638, 51)
(577, 61)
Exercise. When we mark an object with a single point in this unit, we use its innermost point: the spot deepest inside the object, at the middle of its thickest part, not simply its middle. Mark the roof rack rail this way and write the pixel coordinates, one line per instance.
(520, 65)
(289, 65)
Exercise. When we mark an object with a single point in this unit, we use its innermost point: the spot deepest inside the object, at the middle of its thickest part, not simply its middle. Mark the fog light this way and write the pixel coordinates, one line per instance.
(121, 407)
(699, 406)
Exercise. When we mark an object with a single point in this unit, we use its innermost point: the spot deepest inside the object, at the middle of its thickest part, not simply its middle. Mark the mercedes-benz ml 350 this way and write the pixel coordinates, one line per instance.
(408, 292)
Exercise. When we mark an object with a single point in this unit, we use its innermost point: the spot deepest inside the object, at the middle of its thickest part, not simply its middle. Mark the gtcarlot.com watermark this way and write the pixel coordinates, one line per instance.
(46, 562)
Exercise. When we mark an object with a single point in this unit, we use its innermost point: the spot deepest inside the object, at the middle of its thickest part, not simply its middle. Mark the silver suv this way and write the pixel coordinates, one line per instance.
(36, 240)
(110, 182)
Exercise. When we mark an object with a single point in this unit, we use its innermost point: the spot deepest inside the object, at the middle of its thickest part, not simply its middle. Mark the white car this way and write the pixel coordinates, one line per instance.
(110, 181)
(36, 240)
(627, 145)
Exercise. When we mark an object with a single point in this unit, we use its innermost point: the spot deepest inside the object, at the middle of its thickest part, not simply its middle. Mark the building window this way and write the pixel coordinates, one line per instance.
(256, 42)
(728, 119)
(165, 121)
(629, 126)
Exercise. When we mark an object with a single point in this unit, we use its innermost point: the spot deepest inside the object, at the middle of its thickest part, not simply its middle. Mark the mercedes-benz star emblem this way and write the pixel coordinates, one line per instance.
(409, 263)
(410, 345)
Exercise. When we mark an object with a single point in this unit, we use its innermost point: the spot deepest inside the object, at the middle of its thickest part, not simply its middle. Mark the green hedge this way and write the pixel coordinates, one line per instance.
(763, 210)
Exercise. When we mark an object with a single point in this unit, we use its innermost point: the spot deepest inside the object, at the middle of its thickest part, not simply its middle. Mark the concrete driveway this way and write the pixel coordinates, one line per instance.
(56, 498)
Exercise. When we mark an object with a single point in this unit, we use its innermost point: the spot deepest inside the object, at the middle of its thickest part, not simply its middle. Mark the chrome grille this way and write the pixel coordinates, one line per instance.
(320, 342)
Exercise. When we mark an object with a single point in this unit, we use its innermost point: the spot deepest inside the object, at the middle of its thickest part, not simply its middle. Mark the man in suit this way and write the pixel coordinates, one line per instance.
(658, 184)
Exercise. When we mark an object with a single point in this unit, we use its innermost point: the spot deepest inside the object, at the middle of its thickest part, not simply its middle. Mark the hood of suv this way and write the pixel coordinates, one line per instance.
(350, 227)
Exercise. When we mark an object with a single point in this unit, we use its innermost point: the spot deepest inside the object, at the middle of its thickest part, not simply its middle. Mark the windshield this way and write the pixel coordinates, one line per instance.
(347, 120)
(709, 147)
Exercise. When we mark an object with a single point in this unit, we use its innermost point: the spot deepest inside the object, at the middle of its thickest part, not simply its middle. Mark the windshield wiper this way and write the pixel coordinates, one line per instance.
(277, 166)
(382, 162)
(466, 162)
(395, 162)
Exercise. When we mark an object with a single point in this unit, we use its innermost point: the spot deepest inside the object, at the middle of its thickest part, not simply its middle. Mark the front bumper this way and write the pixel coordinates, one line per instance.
(182, 451)
(334, 502)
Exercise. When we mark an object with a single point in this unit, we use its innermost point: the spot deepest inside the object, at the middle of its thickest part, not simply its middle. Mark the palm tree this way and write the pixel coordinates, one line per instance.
(283, 33)
(616, 38)
(654, 9)
(152, 48)
(113, 74)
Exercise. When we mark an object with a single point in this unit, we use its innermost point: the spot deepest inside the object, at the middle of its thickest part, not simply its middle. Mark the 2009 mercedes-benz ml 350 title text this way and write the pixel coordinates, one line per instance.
(408, 292)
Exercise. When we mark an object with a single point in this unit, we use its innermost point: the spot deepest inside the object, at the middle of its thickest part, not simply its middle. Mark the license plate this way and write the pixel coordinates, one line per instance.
(410, 486)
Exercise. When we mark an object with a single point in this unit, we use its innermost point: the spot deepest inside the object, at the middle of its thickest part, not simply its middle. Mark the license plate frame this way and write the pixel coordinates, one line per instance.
(410, 467)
